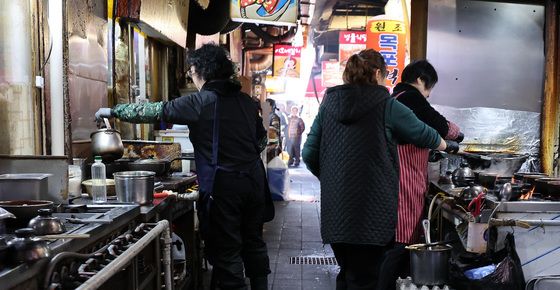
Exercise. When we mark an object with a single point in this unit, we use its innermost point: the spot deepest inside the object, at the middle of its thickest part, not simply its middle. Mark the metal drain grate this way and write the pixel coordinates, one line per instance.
(312, 260)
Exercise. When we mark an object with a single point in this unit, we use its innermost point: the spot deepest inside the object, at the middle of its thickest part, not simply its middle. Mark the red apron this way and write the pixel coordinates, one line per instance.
(413, 184)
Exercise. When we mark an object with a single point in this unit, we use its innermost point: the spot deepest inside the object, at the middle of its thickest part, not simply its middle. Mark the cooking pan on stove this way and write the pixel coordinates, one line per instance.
(541, 184)
(504, 164)
(519, 175)
(161, 167)
(531, 179)
(24, 210)
(489, 179)
(553, 189)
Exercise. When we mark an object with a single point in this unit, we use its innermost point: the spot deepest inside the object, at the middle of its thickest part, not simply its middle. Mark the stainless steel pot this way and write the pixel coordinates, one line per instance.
(46, 224)
(107, 143)
(430, 265)
(472, 191)
(135, 186)
(463, 175)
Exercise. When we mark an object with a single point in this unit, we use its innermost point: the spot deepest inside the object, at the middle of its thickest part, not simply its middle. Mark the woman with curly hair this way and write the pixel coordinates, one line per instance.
(228, 135)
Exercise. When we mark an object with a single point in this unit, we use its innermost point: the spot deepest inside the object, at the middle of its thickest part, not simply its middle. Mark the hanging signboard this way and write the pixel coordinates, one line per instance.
(331, 73)
(286, 61)
(349, 43)
(389, 37)
(275, 12)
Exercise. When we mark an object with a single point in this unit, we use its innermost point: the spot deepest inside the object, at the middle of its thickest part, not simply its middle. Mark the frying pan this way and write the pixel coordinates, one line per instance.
(489, 179)
(24, 210)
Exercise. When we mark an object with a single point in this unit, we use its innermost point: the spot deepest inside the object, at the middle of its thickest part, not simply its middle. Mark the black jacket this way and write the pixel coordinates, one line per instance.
(241, 127)
(414, 100)
(359, 167)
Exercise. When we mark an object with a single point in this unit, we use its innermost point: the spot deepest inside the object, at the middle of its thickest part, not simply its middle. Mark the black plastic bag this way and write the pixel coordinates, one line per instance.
(507, 276)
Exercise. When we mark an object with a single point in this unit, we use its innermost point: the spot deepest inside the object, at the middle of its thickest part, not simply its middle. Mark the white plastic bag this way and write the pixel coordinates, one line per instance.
(277, 163)
(278, 178)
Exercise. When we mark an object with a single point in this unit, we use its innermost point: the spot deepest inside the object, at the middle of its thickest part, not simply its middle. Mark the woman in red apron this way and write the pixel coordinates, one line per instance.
(417, 81)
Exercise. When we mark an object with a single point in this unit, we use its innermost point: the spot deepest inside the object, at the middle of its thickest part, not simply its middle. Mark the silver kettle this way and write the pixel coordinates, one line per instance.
(472, 191)
(107, 143)
(463, 175)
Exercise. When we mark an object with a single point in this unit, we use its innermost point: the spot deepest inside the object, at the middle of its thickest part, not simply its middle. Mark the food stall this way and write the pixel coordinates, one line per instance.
(496, 201)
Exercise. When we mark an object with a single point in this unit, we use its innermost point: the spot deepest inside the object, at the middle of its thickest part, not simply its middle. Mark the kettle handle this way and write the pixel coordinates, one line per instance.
(107, 124)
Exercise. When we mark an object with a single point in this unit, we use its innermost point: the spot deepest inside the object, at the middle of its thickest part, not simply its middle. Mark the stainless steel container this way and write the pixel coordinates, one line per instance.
(135, 186)
(24, 186)
(107, 143)
(430, 266)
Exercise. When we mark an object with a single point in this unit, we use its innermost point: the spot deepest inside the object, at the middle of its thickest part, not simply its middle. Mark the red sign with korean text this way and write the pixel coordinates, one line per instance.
(349, 43)
(352, 37)
(286, 61)
(389, 38)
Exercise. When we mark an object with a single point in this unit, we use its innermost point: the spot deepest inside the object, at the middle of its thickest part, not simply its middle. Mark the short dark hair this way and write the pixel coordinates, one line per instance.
(360, 68)
(271, 102)
(420, 69)
(211, 62)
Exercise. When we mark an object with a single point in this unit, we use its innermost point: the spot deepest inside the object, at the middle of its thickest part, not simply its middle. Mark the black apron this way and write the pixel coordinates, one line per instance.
(206, 175)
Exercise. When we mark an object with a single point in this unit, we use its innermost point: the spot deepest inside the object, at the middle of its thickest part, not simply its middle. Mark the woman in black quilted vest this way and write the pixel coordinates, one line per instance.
(352, 149)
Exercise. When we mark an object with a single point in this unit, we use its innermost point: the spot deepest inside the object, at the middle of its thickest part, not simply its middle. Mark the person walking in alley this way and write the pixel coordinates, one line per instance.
(293, 137)
(352, 149)
(228, 135)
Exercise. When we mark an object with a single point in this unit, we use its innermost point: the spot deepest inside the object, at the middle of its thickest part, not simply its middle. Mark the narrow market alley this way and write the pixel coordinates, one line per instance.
(298, 259)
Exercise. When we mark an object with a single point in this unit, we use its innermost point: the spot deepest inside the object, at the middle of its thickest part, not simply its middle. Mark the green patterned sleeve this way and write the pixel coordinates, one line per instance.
(139, 113)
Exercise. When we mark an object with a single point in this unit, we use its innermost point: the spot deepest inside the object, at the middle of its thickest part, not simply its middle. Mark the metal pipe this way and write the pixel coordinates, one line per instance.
(56, 77)
(167, 257)
(523, 223)
(124, 258)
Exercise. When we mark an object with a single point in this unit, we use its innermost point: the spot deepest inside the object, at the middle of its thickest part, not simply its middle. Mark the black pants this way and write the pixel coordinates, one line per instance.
(293, 146)
(234, 238)
(359, 265)
(395, 264)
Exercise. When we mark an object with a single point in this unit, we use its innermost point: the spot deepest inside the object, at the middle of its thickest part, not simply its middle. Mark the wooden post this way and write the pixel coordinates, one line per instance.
(549, 116)
(418, 29)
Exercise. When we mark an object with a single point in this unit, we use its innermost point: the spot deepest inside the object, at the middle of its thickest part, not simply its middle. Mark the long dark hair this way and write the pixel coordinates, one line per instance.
(361, 67)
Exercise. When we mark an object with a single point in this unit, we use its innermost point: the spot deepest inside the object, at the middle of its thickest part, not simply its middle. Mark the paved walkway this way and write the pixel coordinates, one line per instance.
(295, 233)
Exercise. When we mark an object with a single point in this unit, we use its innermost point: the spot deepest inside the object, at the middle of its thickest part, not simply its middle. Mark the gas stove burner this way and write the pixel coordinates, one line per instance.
(91, 264)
